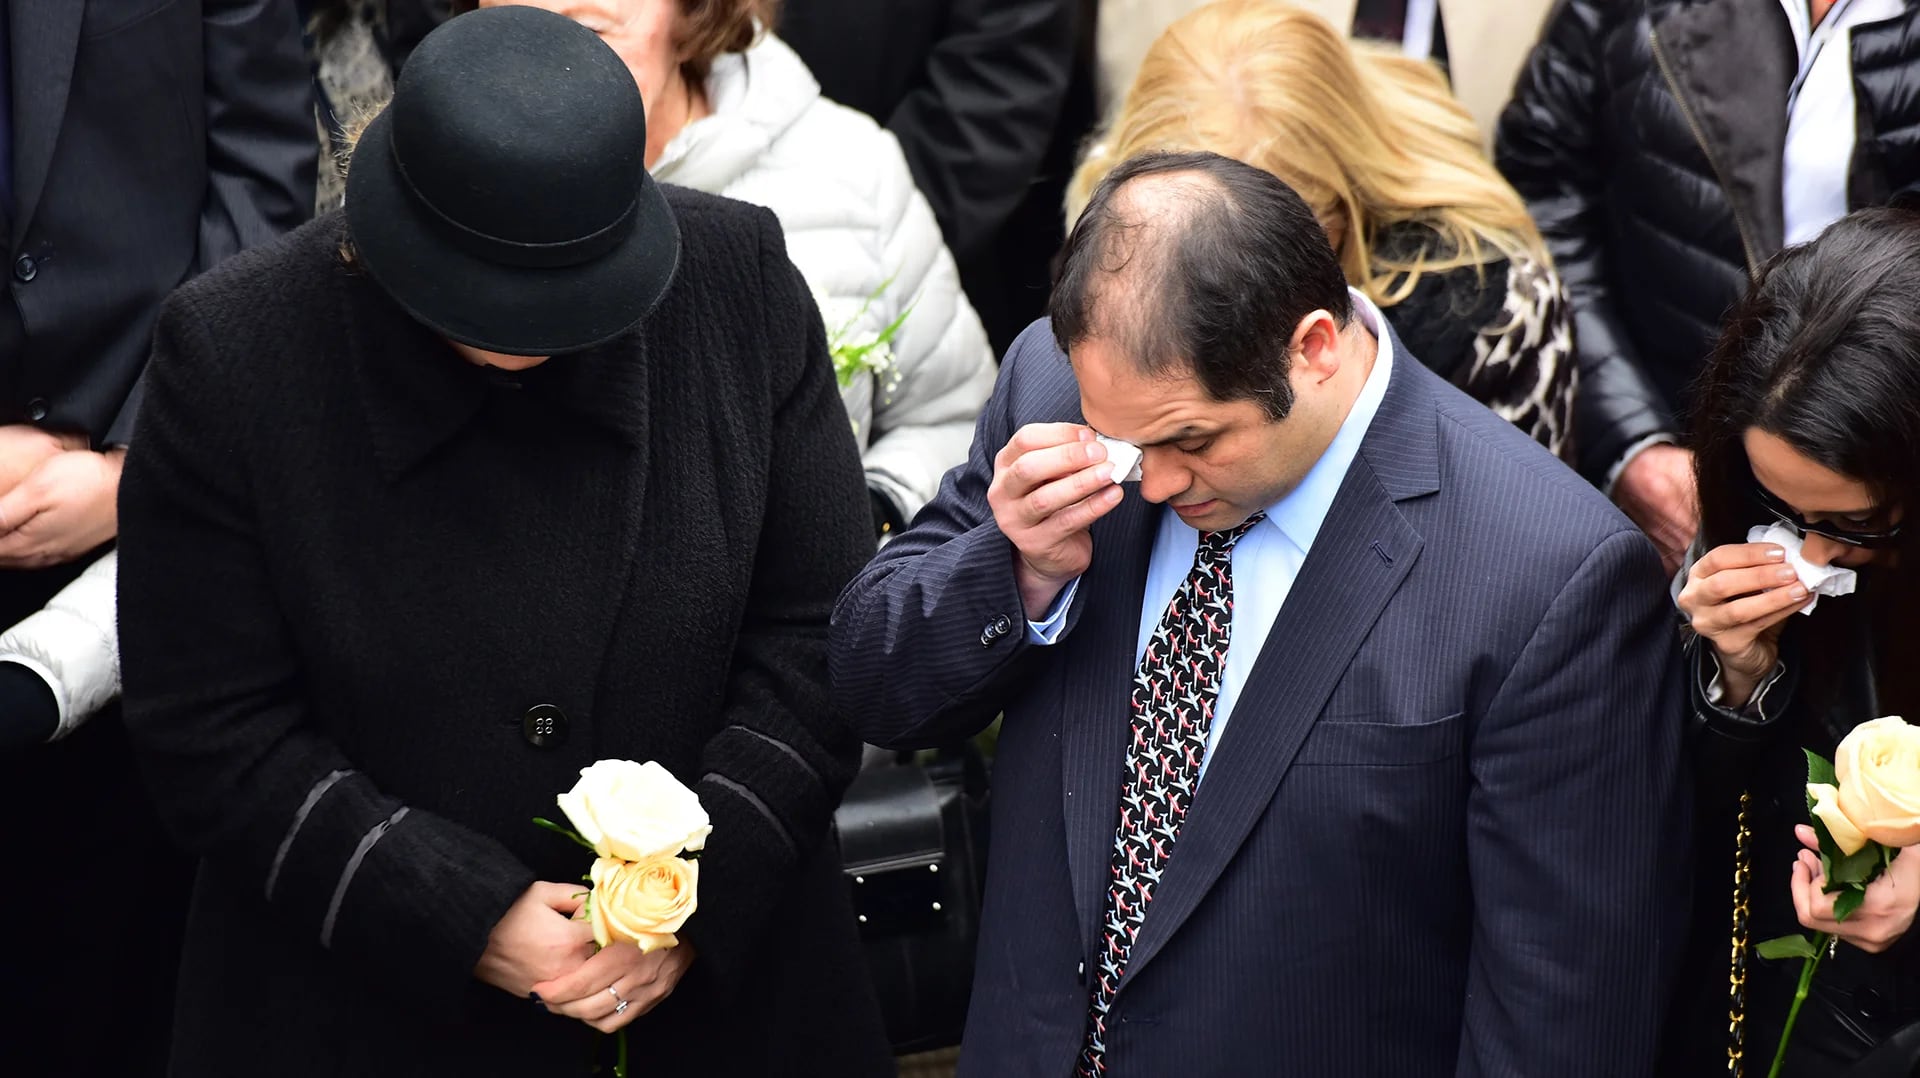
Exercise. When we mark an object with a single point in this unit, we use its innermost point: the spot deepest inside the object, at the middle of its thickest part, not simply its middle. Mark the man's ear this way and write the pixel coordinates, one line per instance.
(1315, 346)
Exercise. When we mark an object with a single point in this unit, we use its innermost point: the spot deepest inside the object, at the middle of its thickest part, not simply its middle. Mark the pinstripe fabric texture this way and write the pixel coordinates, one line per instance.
(1443, 834)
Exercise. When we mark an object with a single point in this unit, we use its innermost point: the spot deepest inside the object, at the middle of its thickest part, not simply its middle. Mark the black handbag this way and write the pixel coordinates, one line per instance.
(913, 841)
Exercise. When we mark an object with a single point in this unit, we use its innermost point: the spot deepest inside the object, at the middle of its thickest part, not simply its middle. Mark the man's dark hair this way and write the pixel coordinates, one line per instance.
(1212, 273)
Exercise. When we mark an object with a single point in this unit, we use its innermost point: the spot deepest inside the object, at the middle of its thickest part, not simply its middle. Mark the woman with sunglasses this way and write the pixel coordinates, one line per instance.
(1809, 416)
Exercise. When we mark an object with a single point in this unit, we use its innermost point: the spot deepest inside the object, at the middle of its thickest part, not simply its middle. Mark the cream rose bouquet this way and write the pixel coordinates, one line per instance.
(645, 829)
(1865, 806)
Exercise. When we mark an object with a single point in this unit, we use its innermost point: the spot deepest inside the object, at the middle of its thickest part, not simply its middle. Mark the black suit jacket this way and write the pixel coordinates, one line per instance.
(347, 551)
(1444, 833)
(152, 138)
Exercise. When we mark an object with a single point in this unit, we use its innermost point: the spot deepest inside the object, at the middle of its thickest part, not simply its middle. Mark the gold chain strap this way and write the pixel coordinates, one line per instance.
(1737, 962)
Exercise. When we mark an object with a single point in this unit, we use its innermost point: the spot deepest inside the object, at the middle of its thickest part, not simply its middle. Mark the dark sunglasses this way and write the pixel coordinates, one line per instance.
(1868, 540)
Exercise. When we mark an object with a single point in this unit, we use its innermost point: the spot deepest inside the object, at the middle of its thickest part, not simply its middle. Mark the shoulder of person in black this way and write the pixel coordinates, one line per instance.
(1447, 308)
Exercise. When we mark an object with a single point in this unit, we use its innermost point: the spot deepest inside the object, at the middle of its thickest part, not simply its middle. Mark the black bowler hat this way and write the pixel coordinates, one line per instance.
(503, 198)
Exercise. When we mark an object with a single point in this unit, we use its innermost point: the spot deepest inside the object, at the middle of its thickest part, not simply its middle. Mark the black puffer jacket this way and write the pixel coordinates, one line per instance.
(1647, 136)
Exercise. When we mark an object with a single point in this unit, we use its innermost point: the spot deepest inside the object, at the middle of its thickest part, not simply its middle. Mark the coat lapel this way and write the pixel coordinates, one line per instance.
(1362, 554)
(45, 35)
(1731, 69)
(1098, 688)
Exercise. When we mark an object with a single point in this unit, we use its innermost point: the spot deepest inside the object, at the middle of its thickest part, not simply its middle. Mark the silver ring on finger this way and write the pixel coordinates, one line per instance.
(622, 1007)
(611, 991)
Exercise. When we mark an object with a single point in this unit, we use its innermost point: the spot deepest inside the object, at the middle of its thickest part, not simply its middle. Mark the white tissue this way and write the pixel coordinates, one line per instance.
(1124, 456)
(1819, 579)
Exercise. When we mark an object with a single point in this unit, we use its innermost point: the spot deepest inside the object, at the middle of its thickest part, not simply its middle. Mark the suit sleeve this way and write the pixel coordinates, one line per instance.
(913, 663)
(1579, 833)
(775, 773)
(262, 147)
(221, 723)
(1551, 146)
(977, 126)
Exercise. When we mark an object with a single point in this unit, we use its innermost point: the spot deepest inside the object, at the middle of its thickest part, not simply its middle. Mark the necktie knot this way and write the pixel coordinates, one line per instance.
(1221, 542)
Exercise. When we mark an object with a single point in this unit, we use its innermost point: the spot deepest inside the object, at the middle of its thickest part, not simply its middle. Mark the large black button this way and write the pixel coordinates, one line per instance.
(37, 409)
(544, 726)
(25, 268)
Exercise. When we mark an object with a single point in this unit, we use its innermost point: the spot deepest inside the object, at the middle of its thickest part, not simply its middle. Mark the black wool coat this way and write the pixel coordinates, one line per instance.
(353, 565)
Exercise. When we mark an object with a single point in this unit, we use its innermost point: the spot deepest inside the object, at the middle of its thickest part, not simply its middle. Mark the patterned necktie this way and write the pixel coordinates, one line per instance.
(1173, 695)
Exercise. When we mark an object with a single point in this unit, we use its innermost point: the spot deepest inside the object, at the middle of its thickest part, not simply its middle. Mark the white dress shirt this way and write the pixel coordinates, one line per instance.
(1266, 560)
(1820, 113)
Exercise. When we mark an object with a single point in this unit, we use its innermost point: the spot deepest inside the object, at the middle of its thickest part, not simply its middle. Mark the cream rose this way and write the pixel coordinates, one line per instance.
(1826, 808)
(645, 902)
(1878, 768)
(635, 812)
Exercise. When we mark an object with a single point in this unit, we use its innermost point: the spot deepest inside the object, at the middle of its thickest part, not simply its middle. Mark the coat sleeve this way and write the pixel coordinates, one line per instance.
(222, 727)
(1551, 146)
(924, 423)
(1579, 833)
(262, 146)
(776, 771)
(977, 125)
(910, 664)
(72, 645)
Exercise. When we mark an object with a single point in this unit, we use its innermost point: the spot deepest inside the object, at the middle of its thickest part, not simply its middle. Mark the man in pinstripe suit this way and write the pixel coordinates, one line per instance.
(1347, 743)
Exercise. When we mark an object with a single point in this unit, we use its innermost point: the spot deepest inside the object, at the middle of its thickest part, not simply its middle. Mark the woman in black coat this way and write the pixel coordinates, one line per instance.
(391, 577)
(1807, 420)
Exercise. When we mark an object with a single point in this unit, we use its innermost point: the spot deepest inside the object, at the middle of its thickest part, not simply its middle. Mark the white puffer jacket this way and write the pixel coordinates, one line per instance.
(854, 220)
(73, 645)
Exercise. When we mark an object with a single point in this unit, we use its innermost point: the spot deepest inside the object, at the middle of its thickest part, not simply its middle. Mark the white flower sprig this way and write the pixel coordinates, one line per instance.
(862, 351)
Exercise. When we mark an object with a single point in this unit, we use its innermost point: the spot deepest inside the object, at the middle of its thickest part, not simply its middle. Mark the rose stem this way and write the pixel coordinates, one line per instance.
(1807, 966)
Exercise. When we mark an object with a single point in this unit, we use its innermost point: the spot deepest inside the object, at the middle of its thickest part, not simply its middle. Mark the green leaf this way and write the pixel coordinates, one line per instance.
(1848, 901)
(541, 821)
(1786, 947)
(1858, 868)
(1820, 769)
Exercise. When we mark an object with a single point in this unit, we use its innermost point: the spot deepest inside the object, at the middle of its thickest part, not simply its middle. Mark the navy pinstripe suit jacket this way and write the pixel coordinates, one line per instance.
(1446, 831)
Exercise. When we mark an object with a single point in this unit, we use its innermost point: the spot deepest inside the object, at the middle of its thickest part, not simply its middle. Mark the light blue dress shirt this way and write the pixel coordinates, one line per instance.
(1266, 560)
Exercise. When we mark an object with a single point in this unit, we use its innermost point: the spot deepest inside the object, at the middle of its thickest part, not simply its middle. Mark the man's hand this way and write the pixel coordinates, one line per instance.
(1656, 491)
(1050, 483)
(619, 973)
(68, 506)
(538, 939)
(24, 448)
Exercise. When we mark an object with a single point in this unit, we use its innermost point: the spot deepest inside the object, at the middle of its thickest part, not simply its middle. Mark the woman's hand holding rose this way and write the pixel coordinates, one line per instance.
(1876, 799)
(1882, 919)
(538, 940)
(641, 979)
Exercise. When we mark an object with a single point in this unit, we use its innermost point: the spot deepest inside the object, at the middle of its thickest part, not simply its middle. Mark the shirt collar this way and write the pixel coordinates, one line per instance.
(1301, 512)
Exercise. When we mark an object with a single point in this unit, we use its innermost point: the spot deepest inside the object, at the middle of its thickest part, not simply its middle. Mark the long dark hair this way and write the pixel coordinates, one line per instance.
(1824, 354)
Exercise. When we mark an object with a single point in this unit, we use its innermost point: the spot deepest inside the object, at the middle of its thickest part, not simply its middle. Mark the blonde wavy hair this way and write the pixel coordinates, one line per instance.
(1369, 138)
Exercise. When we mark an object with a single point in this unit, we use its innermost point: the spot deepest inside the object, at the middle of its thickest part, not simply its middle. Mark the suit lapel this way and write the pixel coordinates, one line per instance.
(1098, 687)
(1362, 554)
(45, 35)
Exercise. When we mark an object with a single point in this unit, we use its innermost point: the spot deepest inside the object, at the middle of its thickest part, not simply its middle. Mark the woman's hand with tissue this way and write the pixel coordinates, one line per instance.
(1050, 483)
(1738, 597)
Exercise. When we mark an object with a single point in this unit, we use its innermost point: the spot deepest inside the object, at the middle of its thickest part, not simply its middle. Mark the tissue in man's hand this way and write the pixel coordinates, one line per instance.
(1124, 456)
(1819, 579)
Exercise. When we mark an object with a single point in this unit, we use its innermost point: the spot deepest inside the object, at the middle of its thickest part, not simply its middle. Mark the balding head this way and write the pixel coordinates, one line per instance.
(1197, 262)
